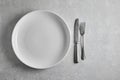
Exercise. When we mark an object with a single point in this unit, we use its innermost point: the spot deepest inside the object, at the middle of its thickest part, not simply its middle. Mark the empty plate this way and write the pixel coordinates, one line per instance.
(41, 39)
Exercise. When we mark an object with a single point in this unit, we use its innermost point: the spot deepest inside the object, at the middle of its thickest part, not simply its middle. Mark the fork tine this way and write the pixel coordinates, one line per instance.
(82, 28)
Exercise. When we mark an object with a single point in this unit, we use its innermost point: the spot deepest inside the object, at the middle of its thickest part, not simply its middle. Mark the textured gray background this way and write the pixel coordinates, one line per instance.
(102, 40)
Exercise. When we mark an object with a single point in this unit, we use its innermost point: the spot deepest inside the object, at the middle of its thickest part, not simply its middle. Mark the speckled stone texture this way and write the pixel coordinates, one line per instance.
(102, 40)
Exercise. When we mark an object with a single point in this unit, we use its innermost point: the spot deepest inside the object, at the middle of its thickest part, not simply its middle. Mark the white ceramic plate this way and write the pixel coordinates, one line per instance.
(41, 39)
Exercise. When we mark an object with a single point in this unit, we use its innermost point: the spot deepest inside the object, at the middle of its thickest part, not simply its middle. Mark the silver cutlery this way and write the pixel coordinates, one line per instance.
(82, 32)
(76, 41)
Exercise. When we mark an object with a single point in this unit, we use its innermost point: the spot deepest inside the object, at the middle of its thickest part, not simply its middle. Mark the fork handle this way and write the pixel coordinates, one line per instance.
(82, 48)
(82, 53)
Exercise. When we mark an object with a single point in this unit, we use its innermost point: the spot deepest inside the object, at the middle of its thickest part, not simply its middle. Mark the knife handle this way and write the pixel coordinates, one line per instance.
(76, 53)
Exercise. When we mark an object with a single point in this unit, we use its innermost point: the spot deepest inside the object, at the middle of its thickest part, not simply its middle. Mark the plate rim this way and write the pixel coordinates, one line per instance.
(68, 33)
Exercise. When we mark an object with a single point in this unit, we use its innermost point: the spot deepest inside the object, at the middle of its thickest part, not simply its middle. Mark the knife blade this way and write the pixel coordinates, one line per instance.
(76, 41)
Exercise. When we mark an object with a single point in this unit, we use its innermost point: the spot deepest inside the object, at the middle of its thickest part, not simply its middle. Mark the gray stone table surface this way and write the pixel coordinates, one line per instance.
(102, 40)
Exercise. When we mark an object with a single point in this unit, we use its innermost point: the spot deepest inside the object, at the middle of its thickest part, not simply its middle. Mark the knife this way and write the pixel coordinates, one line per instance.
(76, 41)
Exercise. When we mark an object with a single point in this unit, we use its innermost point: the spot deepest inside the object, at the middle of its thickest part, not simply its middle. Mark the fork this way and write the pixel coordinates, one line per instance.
(82, 32)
